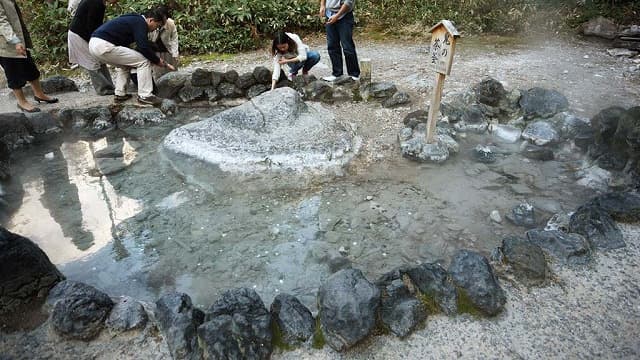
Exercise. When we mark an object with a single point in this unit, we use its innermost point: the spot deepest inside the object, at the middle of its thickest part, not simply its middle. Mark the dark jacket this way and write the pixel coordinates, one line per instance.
(126, 30)
(89, 16)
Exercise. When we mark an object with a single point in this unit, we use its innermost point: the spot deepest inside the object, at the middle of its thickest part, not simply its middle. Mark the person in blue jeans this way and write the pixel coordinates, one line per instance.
(291, 54)
(339, 26)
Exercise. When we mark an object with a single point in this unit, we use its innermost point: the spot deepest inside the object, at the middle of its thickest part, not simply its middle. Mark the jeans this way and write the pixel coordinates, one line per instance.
(339, 40)
(313, 57)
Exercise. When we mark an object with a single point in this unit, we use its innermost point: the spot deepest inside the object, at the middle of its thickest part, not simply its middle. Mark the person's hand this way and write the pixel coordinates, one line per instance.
(322, 11)
(333, 19)
(20, 49)
(283, 61)
(170, 67)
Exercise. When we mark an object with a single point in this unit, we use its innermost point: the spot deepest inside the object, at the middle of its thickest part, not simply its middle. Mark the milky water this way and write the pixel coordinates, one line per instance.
(145, 231)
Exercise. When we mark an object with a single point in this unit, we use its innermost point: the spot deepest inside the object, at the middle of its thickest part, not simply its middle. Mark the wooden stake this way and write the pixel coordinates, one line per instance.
(434, 109)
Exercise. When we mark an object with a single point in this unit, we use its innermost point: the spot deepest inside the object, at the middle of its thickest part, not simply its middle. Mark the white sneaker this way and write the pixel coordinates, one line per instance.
(355, 78)
(329, 78)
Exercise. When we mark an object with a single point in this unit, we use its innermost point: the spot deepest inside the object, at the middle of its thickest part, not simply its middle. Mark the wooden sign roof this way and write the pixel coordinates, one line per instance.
(448, 25)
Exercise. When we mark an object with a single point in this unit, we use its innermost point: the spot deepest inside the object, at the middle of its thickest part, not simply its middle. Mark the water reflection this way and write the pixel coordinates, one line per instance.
(67, 212)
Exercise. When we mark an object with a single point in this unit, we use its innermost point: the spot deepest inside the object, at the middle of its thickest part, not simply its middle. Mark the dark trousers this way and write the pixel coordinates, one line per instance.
(19, 70)
(339, 40)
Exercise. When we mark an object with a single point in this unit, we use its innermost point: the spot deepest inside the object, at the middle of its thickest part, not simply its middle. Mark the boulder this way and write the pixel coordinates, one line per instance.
(245, 81)
(170, 83)
(230, 76)
(262, 75)
(473, 275)
(319, 91)
(540, 133)
(229, 90)
(399, 98)
(525, 259)
(79, 310)
(621, 205)
(25, 272)
(567, 248)
(490, 92)
(414, 118)
(190, 92)
(505, 133)
(400, 310)
(279, 133)
(439, 151)
(201, 77)
(597, 226)
(522, 215)
(132, 116)
(98, 117)
(178, 321)
(256, 90)
(58, 83)
(542, 103)
(600, 27)
(294, 320)
(43, 123)
(127, 314)
(15, 130)
(237, 326)
(435, 285)
(347, 304)
(483, 154)
(379, 90)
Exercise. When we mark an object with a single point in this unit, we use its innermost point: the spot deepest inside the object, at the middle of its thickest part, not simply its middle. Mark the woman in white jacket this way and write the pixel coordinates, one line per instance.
(291, 54)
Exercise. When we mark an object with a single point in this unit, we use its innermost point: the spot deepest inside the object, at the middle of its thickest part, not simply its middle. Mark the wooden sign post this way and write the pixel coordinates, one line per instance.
(443, 44)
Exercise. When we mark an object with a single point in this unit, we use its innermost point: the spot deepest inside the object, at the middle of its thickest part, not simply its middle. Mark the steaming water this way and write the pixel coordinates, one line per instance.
(143, 231)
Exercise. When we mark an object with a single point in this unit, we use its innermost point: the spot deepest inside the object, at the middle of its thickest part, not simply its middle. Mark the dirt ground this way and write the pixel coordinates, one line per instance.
(591, 312)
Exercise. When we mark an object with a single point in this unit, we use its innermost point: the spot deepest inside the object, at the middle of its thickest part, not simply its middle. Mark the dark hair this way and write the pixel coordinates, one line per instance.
(164, 10)
(281, 38)
(155, 15)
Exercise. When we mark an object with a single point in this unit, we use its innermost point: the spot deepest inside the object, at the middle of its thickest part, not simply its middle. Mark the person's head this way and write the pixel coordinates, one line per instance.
(283, 44)
(154, 19)
(164, 11)
(111, 2)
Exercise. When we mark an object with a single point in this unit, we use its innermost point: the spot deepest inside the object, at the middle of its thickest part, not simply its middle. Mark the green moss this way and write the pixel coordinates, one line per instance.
(465, 305)
(277, 340)
(429, 303)
(318, 338)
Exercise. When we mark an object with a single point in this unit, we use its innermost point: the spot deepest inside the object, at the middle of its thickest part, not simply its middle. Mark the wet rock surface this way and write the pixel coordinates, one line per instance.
(294, 320)
(25, 272)
(567, 248)
(347, 304)
(526, 259)
(178, 321)
(597, 226)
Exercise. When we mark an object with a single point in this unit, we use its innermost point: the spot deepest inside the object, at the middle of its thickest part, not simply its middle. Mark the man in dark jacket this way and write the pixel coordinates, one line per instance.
(109, 44)
(89, 15)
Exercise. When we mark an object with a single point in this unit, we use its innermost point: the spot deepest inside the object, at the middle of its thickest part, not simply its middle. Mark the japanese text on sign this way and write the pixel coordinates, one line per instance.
(440, 53)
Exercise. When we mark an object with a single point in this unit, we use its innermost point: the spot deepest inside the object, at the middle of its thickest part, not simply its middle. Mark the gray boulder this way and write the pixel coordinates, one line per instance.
(262, 75)
(621, 205)
(490, 92)
(399, 98)
(230, 76)
(98, 117)
(542, 103)
(506, 133)
(400, 311)
(294, 320)
(245, 81)
(473, 275)
(79, 310)
(600, 27)
(525, 259)
(43, 123)
(170, 83)
(567, 248)
(412, 119)
(201, 77)
(416, 148)
(540, 133)
(190, 92)
(319, 91)
(256, 90)
(132, 116)
(178, 321)
(238, 326)
(483, 154)
(229, 90)
(15, 130)
(128, 314)
(58, 83)
(347, 304)
(597, 226)
(378, 90)
(26, 273)
(522, 215)
(435, 284)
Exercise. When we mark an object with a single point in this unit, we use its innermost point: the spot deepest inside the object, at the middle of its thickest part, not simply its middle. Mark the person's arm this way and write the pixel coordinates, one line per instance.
(323, 8)
(275, 75)
(172, 45)
(345, 8)
(6, 30)
(302, 49)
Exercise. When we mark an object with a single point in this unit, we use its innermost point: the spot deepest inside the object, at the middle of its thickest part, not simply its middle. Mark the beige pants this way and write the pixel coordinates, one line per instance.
(124, 58)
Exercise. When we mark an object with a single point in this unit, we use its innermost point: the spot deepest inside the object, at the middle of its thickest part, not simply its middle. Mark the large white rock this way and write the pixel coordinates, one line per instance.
(275, 137)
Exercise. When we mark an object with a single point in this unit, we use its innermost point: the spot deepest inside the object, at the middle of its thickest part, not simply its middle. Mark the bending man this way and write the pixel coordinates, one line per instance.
(109, 44)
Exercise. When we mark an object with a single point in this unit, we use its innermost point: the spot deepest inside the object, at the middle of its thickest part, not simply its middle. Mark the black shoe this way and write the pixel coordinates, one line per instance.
(150, 100)
(34, 110)
(50, 101)
(121, 98)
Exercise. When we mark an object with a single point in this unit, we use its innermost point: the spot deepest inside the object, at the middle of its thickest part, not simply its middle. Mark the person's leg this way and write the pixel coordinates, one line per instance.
(14, 70)
(334, 49)
(295, 67)
(101, 81)
(313, 57)
(345, 30)
(124, 58)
